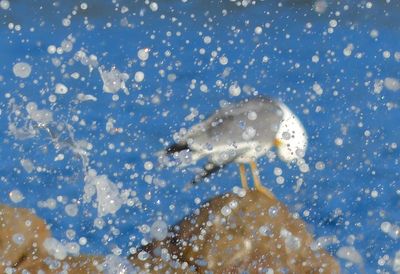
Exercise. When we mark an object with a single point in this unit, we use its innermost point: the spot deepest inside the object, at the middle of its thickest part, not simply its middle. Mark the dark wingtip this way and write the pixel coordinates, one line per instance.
(176, 148)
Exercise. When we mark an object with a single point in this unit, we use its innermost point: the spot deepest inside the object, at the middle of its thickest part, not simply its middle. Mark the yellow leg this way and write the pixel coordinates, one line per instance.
(243, 178)
(257, 183)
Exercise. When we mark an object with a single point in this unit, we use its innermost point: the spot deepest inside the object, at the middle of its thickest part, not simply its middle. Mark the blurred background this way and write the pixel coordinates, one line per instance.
(104, 85)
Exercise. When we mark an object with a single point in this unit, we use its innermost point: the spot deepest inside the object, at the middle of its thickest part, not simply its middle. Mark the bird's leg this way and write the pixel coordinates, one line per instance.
(243, 178)
(257, 183)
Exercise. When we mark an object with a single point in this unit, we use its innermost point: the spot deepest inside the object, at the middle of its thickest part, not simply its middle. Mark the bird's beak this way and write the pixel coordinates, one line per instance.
(277, 142)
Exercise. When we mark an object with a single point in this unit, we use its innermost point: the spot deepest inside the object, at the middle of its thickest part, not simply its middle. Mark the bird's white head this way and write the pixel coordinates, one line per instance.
(291, 138)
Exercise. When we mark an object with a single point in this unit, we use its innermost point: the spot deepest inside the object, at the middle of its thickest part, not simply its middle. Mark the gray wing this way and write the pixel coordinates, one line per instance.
(256, 120)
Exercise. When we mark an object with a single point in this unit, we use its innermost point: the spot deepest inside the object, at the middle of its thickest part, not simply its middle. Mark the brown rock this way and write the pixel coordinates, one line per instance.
(22, 234)
(232, 234)
(229, 234)
(20, 223)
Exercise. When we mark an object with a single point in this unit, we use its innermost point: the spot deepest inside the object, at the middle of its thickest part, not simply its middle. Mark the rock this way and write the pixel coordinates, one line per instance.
(22, 234)
(229, 234)
(232, 234)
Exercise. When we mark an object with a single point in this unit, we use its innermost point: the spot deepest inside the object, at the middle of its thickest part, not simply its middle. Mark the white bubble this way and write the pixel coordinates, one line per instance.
(277, 171)
(59, 157)
(348, 50)
(386, 54)
(171, 77)
(4, 4)
(18, 238)
(315, 59)
(70, 233)
(22, 69)
(66, 22)
(273, 211)
(71, 210)
(61, 89)
(333, 23)
(124, 9)
(73, 248)
(265, 230)
(392, 84)
(207, 39)
(338, 141)
(143, 54)
(300, 153)
(16, 196)
(223, 60)
(113, 80)
(204, 88)
(84, 6)
(41, 116)
(374, 33)
(148, 165)
(317, 89)
(52, 98)
(350, 254)
(304, 168)
(291, 242)
(280, 180)
(249, 133)
(153, 6)
(139, 76)
(99, 223)
(117, 265)
(320, 6)
(258, 30)
(143, 255)
(144, 228)
(320, 165)
(159, 230)
(67, 44)
(82, 241)
(51, 49)
(27, 165)
(397, 56)
(252, 115)
(226, 210)
(108, 197)
(235, 90)
(55, 248)
(392, 230)
(323, 242)
(233, 204)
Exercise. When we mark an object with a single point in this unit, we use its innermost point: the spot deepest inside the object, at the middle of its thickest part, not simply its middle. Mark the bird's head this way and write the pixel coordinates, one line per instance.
(291, 138)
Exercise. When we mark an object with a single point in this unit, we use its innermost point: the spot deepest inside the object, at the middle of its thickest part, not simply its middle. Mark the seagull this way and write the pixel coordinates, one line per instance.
(242, 132)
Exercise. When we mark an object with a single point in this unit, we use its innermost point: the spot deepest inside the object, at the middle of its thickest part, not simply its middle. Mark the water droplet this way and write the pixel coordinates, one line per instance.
(159, 230)
(226, 210)
(18, 238)
(273, 211)
(16, 196)
(22, 69)
(61, 89)
(235, 90)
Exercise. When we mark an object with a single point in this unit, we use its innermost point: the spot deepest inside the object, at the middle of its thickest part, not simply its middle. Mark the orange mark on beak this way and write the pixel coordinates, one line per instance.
(277, 142)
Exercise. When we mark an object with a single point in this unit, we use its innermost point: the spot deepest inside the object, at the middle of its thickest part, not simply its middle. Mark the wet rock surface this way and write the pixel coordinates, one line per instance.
(22, 235)
(233, 234)
(229, 234)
